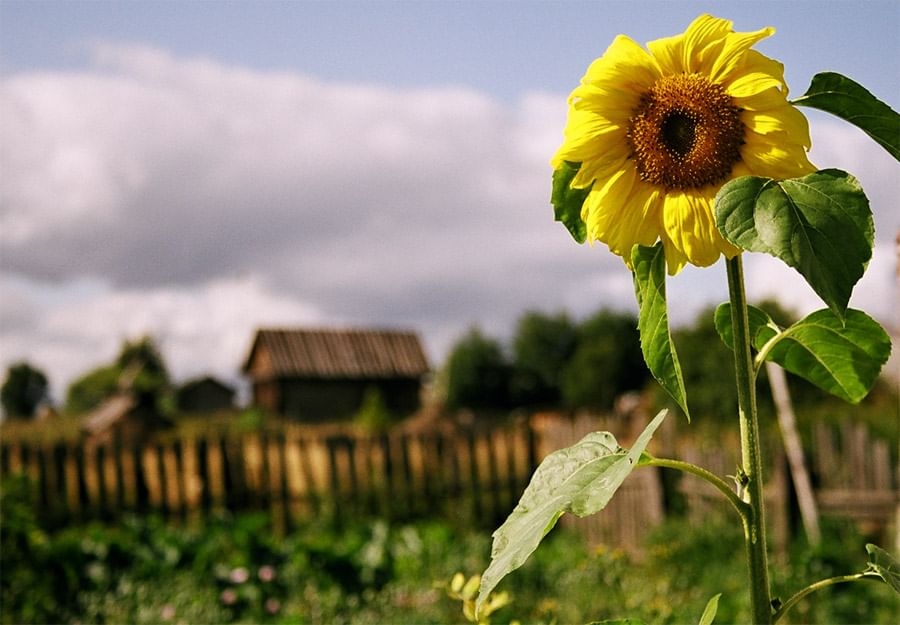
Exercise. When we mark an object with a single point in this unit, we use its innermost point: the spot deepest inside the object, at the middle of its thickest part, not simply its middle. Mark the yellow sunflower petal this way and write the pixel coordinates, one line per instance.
(733, 52)
(756, 73)
(599, 169)
(689, 224)
(584, 135)
(764, 100)
(785, 119)
(773, 157)
(638, 223)
(675, 258)
(667, 52)
(607, 202)
(625, 64)
(703, 41)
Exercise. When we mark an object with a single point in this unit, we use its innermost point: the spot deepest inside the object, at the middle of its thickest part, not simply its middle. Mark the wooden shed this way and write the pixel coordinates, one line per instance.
(320, 375)
(204, 395)
(125, 417)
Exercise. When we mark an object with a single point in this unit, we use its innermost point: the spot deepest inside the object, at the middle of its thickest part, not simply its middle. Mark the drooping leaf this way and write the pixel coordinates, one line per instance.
(883, 565)
(712, 606)
(580, 479)
(820, 225)
(567, 201)
(840, 96)
(841, 358)
(653, 321)
(762, 328)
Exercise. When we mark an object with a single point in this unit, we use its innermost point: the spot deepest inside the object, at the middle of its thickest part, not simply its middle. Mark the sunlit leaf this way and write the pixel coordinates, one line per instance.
(580, 479)
(709, 613)
(567, 202)
(653, 321)
(840, 96)
(820, 225)
(883, 565)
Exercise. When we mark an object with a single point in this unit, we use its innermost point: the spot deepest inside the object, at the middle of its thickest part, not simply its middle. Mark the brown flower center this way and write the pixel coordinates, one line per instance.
(686, 133)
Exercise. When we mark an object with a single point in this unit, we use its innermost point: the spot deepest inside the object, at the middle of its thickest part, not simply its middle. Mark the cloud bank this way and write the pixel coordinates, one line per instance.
(196, 201)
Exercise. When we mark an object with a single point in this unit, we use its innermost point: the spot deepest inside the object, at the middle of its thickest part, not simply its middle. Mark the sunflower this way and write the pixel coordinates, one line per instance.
(658, 132)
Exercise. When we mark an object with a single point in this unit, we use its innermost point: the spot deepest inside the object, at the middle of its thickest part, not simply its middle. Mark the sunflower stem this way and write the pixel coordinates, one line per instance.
(751, 463)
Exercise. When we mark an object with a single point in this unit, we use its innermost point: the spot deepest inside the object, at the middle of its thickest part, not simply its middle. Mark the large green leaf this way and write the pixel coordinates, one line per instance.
(838, 95)
(653, 321)
(820, 225)
(567, 201)
(580, 479)
(883, 565)
(841, 357)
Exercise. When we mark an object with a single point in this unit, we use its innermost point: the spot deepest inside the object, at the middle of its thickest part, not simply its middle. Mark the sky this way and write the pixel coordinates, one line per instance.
(196, 170)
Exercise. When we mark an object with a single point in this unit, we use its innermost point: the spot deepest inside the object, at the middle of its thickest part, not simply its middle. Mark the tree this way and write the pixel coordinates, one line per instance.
(542, 345)
(477, 374)
(606, 363)
(23, 391)
(139, 368)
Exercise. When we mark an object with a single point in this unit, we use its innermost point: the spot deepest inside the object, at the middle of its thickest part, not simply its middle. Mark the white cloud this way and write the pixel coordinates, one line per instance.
(136, 191)
(201, 330)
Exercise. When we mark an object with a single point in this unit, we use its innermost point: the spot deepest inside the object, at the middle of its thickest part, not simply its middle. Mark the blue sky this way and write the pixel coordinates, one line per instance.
(195, 170)
(504, 48)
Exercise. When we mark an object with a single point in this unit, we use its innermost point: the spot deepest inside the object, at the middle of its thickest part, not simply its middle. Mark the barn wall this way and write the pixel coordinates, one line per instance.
(328, 400)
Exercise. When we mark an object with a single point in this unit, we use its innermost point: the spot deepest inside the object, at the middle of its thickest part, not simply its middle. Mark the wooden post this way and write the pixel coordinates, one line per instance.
(794, 449)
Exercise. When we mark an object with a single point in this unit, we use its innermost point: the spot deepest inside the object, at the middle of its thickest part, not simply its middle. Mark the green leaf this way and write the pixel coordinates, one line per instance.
(762, 328)
(580, 479)
(653, 321)
(838, 95)
(620, 621)
(820, 225)
(841, 358)
(709, 613)
(567, 201)
(883, 565)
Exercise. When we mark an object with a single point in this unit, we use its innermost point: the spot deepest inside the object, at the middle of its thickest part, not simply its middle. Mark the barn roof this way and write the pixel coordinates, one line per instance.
(110, 411)
(322, 353)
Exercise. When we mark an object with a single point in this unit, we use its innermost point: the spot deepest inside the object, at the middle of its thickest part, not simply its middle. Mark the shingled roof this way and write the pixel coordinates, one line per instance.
(339, 353)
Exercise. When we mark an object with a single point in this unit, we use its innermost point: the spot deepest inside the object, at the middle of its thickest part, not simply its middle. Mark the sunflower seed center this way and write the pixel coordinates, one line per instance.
(685, 133)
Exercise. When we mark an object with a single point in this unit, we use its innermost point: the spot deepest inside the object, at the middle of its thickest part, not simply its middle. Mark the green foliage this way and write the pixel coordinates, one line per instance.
(607, 362)
(139, 367)
(820, 225)
(88, 391)
(144, 571)
(851, 102)
(883, 565)
(580, 479)
(23, 390)
(477, 374)
(708, 369)
(567, 202)
(653, 322)
(373, 413)
(843, 358)
(541, 347)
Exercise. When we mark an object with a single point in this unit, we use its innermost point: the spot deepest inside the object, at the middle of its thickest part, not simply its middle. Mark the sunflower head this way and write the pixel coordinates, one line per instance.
(657, 132)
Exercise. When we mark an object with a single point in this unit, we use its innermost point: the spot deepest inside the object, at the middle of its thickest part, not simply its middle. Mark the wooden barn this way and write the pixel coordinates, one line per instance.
(320, 375)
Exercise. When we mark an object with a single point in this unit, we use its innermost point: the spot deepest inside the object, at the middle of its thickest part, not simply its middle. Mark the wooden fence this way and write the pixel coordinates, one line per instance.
(475, 476)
